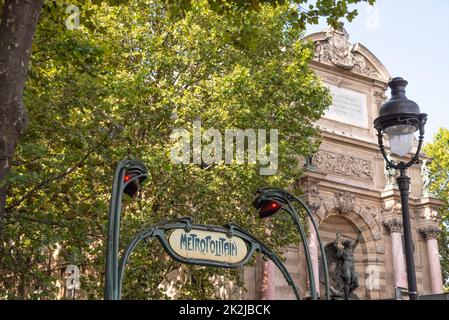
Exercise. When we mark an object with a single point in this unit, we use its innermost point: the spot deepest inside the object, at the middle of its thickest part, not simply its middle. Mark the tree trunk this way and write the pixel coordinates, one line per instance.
(18, 24)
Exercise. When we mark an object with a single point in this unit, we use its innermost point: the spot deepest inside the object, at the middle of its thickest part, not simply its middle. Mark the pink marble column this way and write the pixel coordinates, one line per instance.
(394, 225)
(313, 248)
(268, 281)
(436, 280)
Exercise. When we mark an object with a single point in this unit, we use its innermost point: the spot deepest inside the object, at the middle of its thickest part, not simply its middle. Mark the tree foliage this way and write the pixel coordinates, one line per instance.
(439, 151)
(116, 88)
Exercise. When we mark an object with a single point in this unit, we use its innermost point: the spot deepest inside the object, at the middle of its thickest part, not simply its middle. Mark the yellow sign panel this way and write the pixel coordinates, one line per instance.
(208, 245)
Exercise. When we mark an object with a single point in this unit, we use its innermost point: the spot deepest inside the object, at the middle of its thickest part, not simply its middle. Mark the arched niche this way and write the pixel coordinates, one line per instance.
(368, 263)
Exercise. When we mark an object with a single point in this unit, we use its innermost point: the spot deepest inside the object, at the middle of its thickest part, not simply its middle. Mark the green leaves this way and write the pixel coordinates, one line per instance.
(438, 150)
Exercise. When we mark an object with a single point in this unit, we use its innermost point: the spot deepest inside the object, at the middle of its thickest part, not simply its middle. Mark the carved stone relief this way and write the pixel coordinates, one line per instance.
(336, 49)
(380, 97)
(393, 224)
(375, 214)
(330, 162)
(429, 214)
(430, 231)
(394, 209)
(310, 188)
(392, 217)
(344, 201)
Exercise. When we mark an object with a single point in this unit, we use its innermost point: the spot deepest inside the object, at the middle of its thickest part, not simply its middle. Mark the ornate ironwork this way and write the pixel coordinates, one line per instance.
(399, 110)
(286, 199)
(139, 172)
(160, 230)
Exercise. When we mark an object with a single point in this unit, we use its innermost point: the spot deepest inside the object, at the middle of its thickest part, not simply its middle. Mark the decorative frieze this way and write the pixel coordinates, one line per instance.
(330, 162)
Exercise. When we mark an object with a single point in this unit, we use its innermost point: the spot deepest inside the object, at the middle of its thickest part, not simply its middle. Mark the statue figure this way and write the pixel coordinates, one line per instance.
(344, 279)
(389, 176)
(426, 179)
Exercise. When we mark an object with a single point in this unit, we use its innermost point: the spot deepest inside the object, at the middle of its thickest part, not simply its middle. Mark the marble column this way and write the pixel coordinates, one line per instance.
(394, 225)
(436, 280)
(268, 281)
(314, 248)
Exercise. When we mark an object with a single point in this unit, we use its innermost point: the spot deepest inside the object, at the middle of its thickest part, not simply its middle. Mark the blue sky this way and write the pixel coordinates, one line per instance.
(411, 38)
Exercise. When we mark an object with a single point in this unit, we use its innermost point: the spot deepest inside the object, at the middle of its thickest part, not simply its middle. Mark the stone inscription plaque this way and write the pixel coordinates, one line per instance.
(348, 106)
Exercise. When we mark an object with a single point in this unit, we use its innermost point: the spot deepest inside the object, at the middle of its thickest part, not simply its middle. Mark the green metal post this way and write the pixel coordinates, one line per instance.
(113, 245)
(292, 211)
(284, 197)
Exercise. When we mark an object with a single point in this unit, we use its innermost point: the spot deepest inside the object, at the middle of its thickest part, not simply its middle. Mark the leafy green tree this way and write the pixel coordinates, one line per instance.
(439, 151)
(117, 87)
(18, 22)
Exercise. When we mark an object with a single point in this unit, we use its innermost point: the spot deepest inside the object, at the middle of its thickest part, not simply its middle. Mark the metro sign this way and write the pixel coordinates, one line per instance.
(208, 246)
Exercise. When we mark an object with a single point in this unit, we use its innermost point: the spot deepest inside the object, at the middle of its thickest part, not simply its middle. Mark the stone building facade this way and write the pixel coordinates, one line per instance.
(350, 189)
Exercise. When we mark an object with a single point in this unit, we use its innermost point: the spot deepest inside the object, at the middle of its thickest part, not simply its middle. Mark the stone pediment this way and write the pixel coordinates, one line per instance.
(333, 47)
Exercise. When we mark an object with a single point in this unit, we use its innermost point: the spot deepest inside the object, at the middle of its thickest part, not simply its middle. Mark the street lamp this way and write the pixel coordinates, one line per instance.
(269, 201)
(400, 118)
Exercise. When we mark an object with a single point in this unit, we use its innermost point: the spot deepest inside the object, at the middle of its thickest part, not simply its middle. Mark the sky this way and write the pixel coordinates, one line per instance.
(411, 38)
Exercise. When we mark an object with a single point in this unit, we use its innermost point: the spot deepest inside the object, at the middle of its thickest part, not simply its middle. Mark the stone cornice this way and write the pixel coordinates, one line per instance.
(341, 72)
(334, 186)
(368, 145)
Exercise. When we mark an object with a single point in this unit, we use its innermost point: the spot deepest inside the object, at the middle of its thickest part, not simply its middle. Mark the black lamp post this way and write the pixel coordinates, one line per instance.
(400, 118)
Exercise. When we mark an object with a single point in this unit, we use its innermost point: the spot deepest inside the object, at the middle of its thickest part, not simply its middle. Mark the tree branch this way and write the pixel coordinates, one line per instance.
(59, 176)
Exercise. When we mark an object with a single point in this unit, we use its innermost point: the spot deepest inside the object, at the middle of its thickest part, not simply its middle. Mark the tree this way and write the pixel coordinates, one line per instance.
(117, 87)
(18, 23)
(438, 150)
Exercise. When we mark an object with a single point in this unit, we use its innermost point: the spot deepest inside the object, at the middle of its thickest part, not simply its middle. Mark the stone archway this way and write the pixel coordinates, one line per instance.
(340, 223)
(332, 217)
(360, 216)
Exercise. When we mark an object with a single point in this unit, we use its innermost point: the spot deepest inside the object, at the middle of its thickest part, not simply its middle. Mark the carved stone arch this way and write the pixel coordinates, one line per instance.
(367, 264)
(371, 231)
